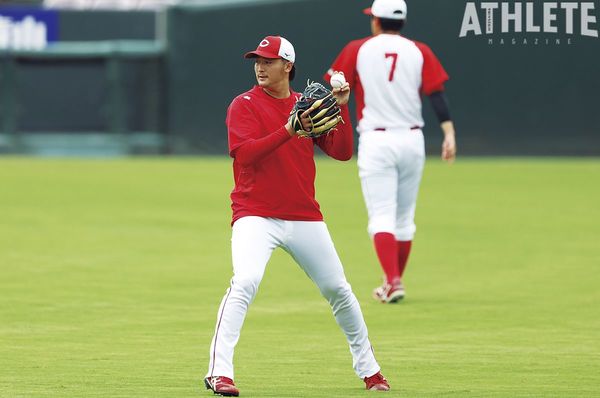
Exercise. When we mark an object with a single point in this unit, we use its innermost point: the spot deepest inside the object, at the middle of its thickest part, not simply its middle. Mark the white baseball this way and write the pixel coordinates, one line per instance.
(337, 80)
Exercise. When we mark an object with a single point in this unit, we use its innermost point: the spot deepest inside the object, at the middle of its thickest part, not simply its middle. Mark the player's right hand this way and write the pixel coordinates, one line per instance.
(304, 121)
(342, 94)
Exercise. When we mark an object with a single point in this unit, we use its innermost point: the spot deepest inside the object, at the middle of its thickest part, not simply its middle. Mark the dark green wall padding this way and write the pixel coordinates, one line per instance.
(505, 99)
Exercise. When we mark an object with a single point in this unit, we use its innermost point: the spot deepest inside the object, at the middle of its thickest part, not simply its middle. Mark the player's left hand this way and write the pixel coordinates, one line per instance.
(449, 148)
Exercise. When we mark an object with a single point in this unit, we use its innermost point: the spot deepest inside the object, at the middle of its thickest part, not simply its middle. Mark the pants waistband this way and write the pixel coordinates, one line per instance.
(384, 129)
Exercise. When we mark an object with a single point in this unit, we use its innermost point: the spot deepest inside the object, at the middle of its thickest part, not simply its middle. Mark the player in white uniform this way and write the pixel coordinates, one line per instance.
(388, 74)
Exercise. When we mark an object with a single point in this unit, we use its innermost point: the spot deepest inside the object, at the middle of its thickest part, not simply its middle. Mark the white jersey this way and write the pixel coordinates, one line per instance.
(388, 73)
(389, 67)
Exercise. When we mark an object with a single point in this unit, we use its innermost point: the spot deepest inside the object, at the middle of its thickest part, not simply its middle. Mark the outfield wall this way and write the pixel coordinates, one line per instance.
(97, 89)
(505, 98)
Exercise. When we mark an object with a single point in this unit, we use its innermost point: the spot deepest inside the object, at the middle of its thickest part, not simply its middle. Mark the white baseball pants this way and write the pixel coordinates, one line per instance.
(390, 165)
(309, 243)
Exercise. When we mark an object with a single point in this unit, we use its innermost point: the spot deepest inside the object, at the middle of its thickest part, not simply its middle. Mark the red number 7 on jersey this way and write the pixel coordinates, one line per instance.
(394, 56)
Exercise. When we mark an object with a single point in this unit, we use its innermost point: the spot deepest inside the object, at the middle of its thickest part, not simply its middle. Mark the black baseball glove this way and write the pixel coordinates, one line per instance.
(324, 111)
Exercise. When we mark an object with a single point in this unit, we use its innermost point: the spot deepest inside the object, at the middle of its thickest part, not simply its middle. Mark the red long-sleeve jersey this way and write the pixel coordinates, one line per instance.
(274, 173)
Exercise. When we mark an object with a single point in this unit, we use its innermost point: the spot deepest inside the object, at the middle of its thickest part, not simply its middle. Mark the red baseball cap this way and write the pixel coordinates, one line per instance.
(274, 47)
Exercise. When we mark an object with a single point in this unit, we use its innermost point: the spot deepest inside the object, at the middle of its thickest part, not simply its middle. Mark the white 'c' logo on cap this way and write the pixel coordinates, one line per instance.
(264, 43)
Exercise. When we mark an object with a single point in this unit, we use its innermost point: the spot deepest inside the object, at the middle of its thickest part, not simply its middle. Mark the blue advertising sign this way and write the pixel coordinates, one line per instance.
(27, 28)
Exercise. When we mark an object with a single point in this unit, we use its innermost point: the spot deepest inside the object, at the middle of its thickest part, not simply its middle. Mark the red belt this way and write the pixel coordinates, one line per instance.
(384, 129)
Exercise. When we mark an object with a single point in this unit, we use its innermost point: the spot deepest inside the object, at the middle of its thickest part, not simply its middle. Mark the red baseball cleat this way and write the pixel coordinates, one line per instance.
(387, 293)
(377, 383)
(221, 386)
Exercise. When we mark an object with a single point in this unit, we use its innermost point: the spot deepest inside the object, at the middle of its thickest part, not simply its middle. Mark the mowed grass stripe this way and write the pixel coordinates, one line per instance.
(111, 273)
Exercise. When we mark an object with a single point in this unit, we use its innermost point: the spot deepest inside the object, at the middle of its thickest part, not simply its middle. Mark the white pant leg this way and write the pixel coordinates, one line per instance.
(410, 170)
(252, 243)
(379, 179)
(311, 246)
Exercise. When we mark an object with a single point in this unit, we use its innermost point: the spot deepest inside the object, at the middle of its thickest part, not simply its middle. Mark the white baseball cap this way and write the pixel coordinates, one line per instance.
(388, 9)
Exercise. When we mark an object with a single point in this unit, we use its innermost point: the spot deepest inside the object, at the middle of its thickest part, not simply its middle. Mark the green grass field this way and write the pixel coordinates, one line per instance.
(111, 273)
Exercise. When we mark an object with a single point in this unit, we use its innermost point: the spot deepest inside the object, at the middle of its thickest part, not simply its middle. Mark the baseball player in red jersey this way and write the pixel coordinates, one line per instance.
(388, 74)
(274, 206)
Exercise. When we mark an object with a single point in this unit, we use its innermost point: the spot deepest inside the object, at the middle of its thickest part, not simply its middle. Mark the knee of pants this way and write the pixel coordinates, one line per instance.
(334, 292)
(246, 286)
(405, 232)
(381, 224)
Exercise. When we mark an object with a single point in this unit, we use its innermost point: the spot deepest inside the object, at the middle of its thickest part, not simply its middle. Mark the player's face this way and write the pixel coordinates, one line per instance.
(271, 72)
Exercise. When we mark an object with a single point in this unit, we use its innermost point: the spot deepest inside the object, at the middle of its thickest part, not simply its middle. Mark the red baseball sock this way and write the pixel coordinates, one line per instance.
(385, 246)
(403, 252)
